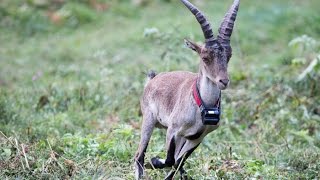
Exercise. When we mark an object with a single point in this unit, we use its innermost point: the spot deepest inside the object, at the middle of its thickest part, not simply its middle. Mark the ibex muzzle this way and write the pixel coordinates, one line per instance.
(168, 100)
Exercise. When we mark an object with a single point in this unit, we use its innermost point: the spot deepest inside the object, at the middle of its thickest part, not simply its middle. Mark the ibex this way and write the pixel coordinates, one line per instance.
(187, 104)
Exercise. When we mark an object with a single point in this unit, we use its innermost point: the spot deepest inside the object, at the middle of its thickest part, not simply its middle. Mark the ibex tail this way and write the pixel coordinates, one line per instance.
(151, 74)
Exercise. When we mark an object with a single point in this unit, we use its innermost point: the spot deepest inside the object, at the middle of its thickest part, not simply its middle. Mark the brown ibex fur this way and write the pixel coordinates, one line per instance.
(168, 99)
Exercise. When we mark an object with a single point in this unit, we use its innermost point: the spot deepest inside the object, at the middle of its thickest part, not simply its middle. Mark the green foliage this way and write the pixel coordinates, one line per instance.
(303, 45)
(103, 146)
(39, 16)
(5, 114)
(306, 51)
(254, 166)
(76, 14)
(19, 15)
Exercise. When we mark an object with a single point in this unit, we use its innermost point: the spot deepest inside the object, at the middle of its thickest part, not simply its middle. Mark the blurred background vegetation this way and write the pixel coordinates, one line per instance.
(72, 72)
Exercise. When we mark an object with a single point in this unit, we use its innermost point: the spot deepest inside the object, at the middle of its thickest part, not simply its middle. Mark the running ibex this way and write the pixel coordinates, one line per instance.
(187, 104)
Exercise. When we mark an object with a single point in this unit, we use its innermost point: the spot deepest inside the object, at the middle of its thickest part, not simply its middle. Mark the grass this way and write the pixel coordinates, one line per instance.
(69, 97)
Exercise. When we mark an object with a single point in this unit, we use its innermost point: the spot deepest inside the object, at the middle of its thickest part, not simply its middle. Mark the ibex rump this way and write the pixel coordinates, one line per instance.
(169, 99)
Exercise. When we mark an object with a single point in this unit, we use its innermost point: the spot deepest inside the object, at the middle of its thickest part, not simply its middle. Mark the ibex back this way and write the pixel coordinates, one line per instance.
(168, 100)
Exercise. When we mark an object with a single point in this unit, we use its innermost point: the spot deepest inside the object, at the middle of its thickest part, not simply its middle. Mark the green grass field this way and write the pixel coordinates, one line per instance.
(70, 88)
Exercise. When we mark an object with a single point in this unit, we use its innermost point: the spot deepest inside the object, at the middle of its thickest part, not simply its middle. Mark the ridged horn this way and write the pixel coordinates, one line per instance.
(227, 24)
(204, 23)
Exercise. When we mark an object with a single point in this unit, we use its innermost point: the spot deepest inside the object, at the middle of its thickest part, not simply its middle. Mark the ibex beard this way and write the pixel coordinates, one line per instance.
(168, 100)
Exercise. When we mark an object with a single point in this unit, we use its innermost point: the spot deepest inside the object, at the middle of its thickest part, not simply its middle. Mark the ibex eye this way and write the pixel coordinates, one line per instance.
(206, 60)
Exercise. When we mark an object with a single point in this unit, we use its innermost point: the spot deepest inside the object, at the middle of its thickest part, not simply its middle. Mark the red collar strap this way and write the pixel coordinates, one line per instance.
(197, 97)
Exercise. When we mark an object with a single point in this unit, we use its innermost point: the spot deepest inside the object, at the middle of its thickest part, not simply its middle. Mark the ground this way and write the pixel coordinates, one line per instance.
(72, 75)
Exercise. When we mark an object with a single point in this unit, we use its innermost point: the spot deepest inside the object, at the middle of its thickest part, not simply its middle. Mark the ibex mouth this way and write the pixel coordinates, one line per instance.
(223, 84)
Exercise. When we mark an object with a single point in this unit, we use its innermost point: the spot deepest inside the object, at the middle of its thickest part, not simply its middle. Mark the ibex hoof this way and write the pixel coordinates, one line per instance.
(138, 170)
(156, 163)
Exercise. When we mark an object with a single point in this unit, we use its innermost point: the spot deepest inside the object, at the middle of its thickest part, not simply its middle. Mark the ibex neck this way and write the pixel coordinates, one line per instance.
(209, 91)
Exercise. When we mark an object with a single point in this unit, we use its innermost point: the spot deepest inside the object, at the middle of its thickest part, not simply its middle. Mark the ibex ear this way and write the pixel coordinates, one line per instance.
(192, 45)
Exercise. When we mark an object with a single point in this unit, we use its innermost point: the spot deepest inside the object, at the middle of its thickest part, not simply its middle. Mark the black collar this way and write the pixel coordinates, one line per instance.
(211, 115)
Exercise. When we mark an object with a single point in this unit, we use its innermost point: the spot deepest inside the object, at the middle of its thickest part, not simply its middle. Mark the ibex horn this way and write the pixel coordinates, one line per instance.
(226, 26)
(205, 25)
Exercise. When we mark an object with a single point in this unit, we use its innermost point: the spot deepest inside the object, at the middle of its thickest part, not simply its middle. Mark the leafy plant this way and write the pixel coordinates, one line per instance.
(306, 52)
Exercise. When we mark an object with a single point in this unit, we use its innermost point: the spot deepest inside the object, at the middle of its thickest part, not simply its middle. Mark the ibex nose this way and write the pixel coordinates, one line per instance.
(224, 81)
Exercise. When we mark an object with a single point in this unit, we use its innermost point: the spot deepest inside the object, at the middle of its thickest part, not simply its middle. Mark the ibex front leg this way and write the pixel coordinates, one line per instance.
(148, 125)
(187, 148)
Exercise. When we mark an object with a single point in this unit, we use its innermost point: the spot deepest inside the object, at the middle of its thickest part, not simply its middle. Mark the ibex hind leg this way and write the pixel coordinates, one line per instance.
(169, 161)
(147, 127)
